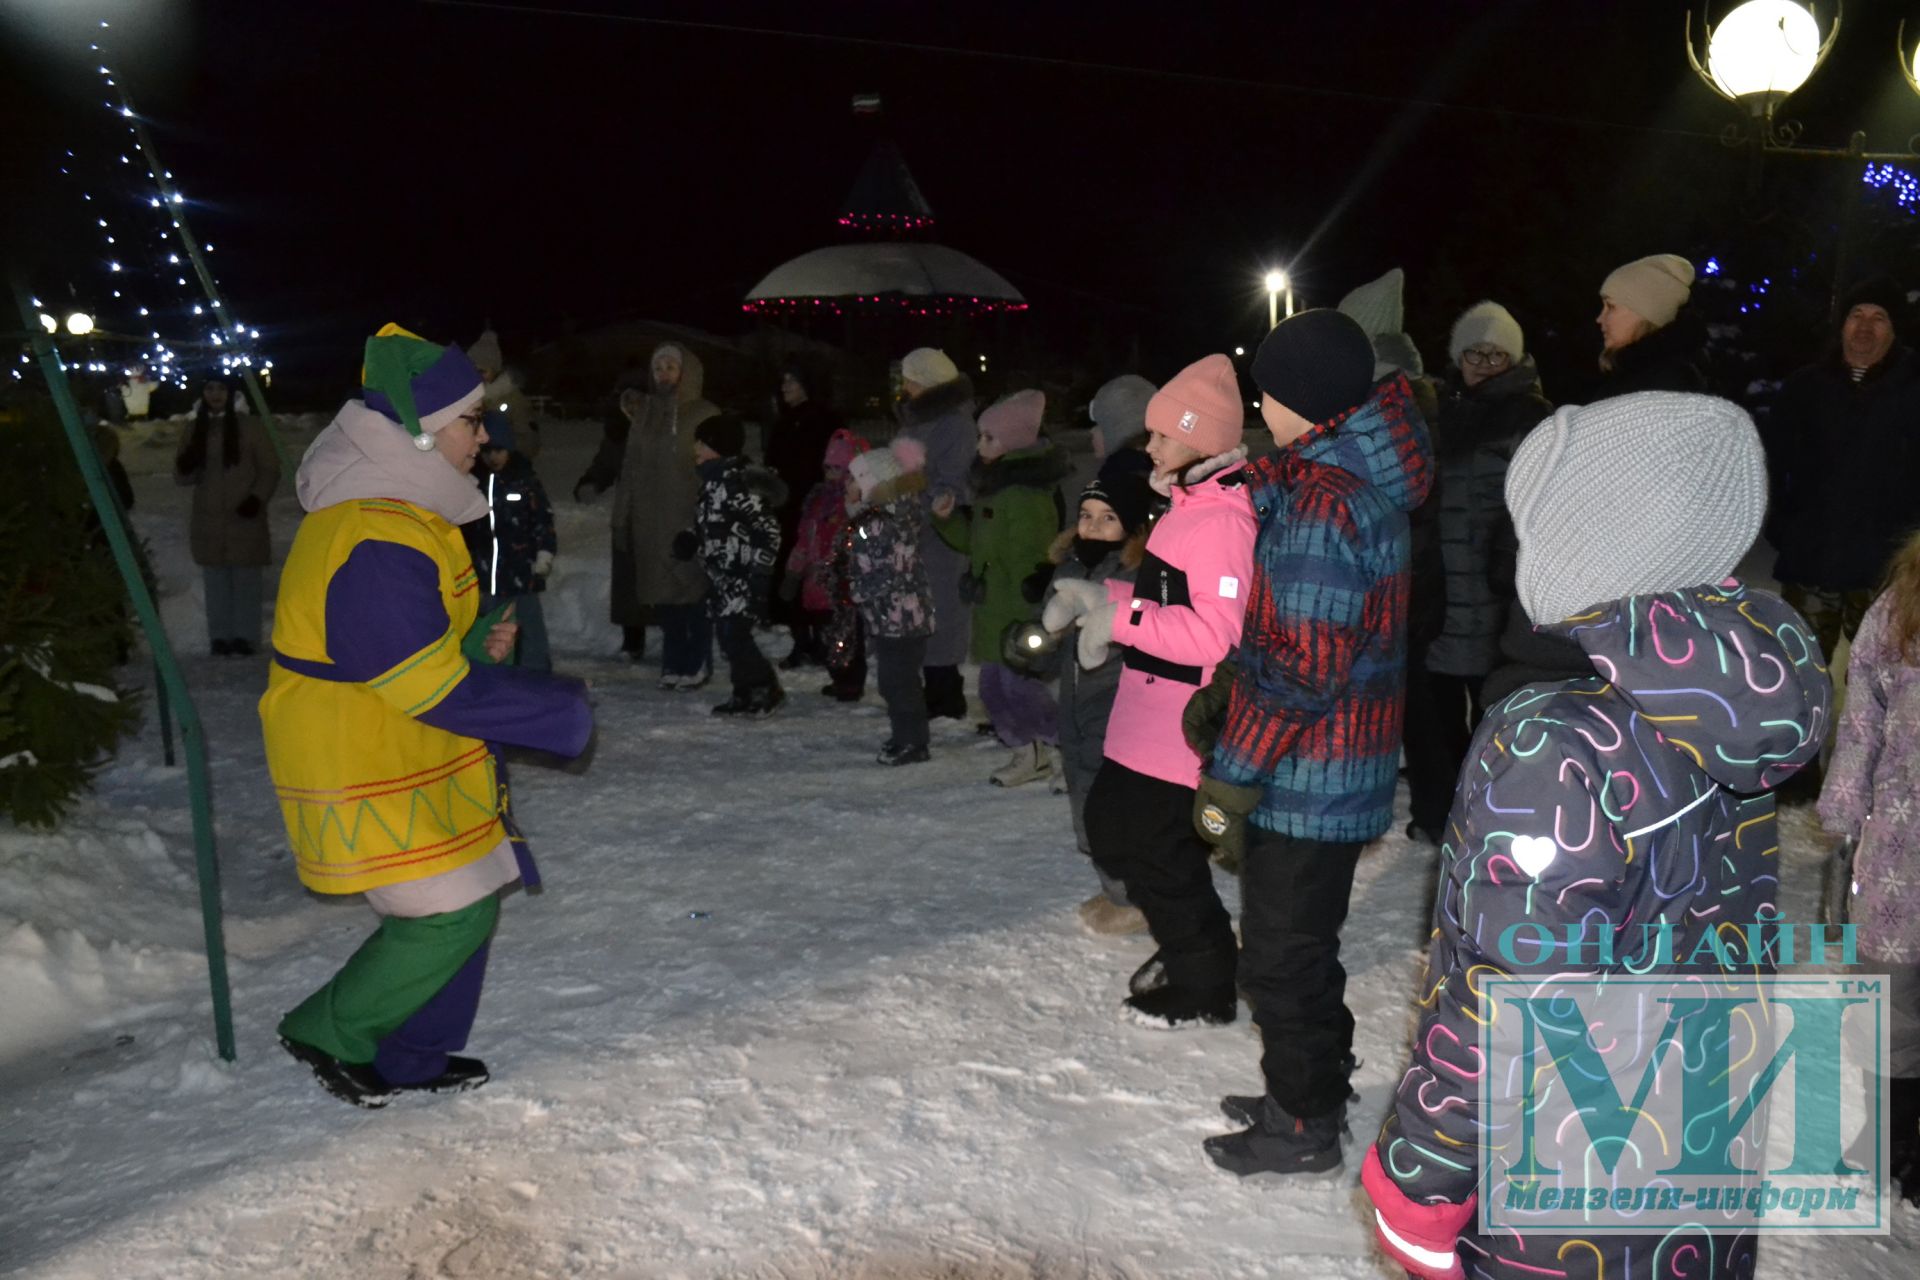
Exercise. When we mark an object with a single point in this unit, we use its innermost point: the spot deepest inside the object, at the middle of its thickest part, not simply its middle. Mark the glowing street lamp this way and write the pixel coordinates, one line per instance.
(79, 324)
(1277, 284)
(48, 323)
(1763, 51)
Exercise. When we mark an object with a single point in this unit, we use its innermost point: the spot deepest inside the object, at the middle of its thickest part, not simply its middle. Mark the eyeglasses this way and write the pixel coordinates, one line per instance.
(1480, 358)
(475, 420)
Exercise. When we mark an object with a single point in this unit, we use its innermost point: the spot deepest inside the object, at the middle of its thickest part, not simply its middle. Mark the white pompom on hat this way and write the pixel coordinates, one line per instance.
(1655, 491)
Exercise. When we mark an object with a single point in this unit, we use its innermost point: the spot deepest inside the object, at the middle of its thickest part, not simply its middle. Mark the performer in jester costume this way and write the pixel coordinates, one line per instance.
(381, 717)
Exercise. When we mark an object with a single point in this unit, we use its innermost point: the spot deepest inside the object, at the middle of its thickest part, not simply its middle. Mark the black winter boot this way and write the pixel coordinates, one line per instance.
(350, 1082)
(1178, 1008)
(946, 693)
(1244, 1108)
(1282, 1143)
(461, 1075)
(765, 700)
(1150, 976)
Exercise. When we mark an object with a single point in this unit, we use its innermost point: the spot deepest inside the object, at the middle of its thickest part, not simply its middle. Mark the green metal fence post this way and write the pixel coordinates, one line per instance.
(174, 687)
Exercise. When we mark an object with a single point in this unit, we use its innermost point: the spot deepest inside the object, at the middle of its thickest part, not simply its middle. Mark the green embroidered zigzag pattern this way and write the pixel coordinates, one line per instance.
(312, 839)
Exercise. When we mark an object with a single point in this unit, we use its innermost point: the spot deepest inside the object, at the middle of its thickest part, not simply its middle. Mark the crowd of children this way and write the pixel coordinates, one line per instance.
(1210, 659)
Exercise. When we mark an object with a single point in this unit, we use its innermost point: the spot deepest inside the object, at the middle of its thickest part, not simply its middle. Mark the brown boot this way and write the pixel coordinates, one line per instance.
(1103, 916)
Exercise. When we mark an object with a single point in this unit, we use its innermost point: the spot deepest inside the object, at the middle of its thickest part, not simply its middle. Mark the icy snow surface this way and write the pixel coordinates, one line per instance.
(779, 1012)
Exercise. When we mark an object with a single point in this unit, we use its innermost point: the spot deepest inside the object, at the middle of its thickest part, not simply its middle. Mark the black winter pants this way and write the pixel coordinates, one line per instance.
(1293, 896)
(1442, 713)
(1141, 830)
(747, 666)
(897, 661)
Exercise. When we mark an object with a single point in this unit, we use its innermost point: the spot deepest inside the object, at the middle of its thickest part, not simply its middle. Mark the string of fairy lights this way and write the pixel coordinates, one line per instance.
(146, 252)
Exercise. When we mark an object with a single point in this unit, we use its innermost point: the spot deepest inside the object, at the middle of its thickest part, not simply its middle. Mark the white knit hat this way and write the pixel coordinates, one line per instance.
(928, 366)
(1649, 492)
(1376, 305)
(1654, 287)
(1491, 323)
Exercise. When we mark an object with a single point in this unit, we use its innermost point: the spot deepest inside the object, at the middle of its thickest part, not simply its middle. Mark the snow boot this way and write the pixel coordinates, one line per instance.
(350, 1082)
(240, 648)
(1178, 1008)
(461, 1075)
(1057, 779)
(221, 648)
(893, 754)
(765, 700)
(738, 705)
(843, 692)
(1282, 1143)
(1029, 764)
(1103, 916)
(946, 693)
(1244, 1108)
(1151, 976)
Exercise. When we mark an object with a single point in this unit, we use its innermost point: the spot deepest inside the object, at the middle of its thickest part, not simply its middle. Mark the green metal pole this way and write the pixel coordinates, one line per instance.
(176, 212)
(174, 687)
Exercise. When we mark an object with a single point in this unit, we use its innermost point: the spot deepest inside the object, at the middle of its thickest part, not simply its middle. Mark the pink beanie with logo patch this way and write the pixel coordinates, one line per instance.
(1201, 407)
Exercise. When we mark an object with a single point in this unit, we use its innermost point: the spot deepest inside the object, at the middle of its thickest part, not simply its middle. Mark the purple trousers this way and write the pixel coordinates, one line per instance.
(1022, 709)
(417, 1050)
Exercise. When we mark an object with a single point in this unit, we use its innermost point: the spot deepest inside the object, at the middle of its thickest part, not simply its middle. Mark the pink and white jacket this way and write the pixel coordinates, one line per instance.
(1180, 616)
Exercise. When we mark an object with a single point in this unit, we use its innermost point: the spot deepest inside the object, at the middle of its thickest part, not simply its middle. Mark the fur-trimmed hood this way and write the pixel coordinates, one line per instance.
(1130, 553)
(937, 401)
(1197, 472)
(1041, 466)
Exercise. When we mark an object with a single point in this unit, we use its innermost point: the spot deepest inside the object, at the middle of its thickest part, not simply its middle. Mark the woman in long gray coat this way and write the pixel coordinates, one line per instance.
(649, 467)
(1869, 799)
(228, 459)
(938, 412)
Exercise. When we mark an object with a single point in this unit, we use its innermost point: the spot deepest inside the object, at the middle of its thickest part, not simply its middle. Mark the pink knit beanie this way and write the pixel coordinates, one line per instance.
(1013, 422)
(1201, 407)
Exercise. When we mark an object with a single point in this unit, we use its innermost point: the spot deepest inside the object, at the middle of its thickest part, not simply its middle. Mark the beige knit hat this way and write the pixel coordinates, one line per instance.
(928, 366)
(1655, 287)
(1491, 323)
(1649, 492)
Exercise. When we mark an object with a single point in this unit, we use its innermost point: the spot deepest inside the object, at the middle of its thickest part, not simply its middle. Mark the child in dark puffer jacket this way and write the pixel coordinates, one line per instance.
(1106, 544)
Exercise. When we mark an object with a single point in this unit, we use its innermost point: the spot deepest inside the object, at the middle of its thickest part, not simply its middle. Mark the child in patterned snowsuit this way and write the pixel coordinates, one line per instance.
(888, 581)
(736, 536)
(817, 571)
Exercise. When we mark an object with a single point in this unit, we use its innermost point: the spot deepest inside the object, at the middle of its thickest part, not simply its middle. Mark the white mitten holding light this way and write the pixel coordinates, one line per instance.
(1096, 633)
(1072, 599)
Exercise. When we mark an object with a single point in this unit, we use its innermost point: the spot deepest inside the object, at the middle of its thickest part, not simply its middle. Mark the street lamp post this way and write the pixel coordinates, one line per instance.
(1277, 284)
(1757, 57)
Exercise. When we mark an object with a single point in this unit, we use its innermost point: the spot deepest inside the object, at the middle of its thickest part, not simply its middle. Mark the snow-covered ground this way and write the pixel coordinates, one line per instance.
(778, 1012)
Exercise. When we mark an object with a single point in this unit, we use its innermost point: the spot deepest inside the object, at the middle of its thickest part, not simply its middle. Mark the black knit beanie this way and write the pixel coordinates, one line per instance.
(723, 433)
(1318, 364)
(1124, 489)
(1879, 291)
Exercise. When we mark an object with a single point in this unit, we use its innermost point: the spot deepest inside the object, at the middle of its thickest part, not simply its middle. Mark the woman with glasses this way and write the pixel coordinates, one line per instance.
(1491, 399)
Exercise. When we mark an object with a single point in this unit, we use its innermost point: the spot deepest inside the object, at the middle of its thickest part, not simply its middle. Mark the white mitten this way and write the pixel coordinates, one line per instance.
(543, 564)
(1096, 633)
(1072, 599)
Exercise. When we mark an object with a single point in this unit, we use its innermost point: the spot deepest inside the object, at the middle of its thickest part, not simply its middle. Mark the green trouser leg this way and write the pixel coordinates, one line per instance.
(393, 973)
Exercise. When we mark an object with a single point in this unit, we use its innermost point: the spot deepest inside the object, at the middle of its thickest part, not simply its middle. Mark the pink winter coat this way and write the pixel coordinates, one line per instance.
(823, 518)
(1179, 617)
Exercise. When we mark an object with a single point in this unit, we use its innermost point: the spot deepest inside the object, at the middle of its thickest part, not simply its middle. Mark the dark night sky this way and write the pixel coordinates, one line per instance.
(448, 163)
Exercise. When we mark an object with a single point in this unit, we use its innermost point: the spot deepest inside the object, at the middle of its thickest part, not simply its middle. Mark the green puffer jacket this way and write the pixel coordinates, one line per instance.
(1006, 533)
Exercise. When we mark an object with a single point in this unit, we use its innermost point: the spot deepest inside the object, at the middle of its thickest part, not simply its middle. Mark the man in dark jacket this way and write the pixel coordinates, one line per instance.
(1842, 444)
(796, 450)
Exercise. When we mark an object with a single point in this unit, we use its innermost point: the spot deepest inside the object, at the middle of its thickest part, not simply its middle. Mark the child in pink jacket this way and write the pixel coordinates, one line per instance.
(1177, 620)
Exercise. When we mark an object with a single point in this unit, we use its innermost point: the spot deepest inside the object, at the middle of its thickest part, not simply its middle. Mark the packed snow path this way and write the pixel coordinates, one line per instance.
(778, 1012)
